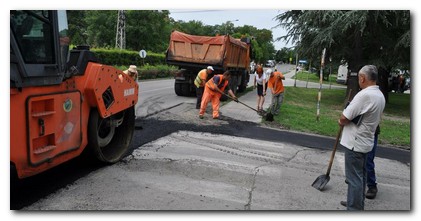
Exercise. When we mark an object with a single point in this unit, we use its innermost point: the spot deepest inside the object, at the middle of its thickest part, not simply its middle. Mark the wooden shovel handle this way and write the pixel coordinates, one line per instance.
(334, 150)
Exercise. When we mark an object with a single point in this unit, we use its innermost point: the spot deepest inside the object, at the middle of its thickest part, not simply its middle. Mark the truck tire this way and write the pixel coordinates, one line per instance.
(109, 138)
(185, 89)
(177, 89)
(234, 84)
(244, 80)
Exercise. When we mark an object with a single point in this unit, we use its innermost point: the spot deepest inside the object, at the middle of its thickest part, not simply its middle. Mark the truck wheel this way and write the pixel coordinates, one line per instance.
(109, 138)
(243, 85)
(185, 88)
(177, 89)
(234, 84)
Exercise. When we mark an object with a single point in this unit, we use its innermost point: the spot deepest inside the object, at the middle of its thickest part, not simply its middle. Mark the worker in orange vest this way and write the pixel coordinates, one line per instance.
(277, 88)
(200, 82)
(213, 91)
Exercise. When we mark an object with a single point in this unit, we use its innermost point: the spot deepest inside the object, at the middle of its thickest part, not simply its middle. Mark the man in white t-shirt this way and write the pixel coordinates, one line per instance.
(360, 119)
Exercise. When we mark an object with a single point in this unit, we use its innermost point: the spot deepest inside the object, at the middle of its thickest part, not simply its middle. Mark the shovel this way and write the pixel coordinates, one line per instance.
(322, 180)
(236, 100)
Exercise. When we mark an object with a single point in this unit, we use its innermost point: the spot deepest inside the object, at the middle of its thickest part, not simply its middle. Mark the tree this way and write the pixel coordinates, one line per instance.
(148, 29)
(77, 27)
(192, 27)
(381, 38)
(101, 29)
(283, 55)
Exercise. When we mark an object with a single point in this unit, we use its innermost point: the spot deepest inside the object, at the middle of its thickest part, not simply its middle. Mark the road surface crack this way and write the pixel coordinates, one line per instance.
(253, 186)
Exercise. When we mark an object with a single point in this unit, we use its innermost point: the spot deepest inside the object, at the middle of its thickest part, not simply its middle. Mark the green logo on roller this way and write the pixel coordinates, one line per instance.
(68, 105)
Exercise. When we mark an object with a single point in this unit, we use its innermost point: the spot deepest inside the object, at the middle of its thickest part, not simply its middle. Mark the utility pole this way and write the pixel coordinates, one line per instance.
(296, 70)
(319, 96)
(120, 38)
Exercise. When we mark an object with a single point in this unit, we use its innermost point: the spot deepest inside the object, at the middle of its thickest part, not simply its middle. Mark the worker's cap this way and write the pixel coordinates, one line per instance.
(133, 68)
(210, 68)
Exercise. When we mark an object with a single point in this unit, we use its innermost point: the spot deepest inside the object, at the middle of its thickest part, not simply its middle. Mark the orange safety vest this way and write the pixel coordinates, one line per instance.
(275, 82)
(221, 85)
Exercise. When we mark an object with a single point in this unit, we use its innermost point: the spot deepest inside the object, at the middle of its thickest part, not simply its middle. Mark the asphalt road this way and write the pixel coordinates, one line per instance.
(184, 163)
(178, 162)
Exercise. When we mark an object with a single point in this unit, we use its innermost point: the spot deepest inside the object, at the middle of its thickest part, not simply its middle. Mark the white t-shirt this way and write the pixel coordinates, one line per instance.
(369, 103)
(259, 80)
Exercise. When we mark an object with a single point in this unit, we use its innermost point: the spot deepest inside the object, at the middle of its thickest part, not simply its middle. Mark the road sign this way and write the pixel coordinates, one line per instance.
(142, 53)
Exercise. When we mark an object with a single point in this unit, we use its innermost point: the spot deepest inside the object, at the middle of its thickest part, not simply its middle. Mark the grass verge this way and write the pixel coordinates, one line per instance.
(298, 112)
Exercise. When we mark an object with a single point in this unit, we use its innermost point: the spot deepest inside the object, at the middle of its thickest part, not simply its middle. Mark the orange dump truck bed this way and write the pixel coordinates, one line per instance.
(222, 52)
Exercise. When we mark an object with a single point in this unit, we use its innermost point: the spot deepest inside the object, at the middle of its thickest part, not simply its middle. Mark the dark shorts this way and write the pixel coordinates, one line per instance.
(260, 89)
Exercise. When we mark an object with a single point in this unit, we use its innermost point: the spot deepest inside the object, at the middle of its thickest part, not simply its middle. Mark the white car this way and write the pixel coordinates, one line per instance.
(270, 63)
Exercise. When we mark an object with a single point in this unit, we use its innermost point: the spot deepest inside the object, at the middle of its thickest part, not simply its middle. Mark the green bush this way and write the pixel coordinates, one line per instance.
(117, 57)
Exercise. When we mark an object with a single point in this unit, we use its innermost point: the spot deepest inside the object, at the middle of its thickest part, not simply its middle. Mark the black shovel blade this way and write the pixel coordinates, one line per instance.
(321, 182)
(269, 116)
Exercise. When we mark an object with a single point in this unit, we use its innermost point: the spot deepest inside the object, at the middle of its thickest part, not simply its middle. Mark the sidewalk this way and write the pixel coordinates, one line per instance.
(239, 111)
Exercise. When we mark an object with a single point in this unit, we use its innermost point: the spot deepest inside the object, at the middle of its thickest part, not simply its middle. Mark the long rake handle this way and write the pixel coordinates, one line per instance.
(239, 101)
(334, 150)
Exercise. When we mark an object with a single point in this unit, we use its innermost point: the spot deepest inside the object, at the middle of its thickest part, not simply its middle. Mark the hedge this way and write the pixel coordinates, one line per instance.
(117, 57)
(151, 72)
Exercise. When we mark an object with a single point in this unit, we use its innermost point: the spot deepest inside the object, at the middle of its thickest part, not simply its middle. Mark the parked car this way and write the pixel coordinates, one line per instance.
(270, 63)
(342, 74)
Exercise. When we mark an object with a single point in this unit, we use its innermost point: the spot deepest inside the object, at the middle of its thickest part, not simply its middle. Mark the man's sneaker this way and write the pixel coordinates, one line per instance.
(201, 116)
(371, 193)
(343, 203)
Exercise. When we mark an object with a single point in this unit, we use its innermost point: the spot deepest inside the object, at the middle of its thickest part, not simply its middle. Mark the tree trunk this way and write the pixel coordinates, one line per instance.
(355, 64)
(383, 82)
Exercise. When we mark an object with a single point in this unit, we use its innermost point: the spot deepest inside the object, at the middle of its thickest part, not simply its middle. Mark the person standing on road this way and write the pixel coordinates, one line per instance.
(260, 80)
(358, 137)
(200, 82)
(371, 173)
(214, 89)
(277, 89)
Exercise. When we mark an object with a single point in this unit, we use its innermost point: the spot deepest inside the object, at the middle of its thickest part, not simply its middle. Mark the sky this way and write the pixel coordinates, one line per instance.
(260, 18)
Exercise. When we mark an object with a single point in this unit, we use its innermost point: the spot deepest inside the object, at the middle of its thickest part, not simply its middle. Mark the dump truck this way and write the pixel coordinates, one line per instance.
(192, 53)
(63, 101)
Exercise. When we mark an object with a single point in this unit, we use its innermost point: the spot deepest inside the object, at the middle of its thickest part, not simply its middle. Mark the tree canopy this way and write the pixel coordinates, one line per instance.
(379, 37)
(360, 37)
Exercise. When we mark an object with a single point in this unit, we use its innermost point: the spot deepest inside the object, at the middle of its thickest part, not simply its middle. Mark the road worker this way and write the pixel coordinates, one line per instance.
(132, 71)
(277, 88)
(214, 89)
(200, 82)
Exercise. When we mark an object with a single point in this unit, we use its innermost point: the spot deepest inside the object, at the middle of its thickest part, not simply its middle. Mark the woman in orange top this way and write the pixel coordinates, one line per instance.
(277, 88)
